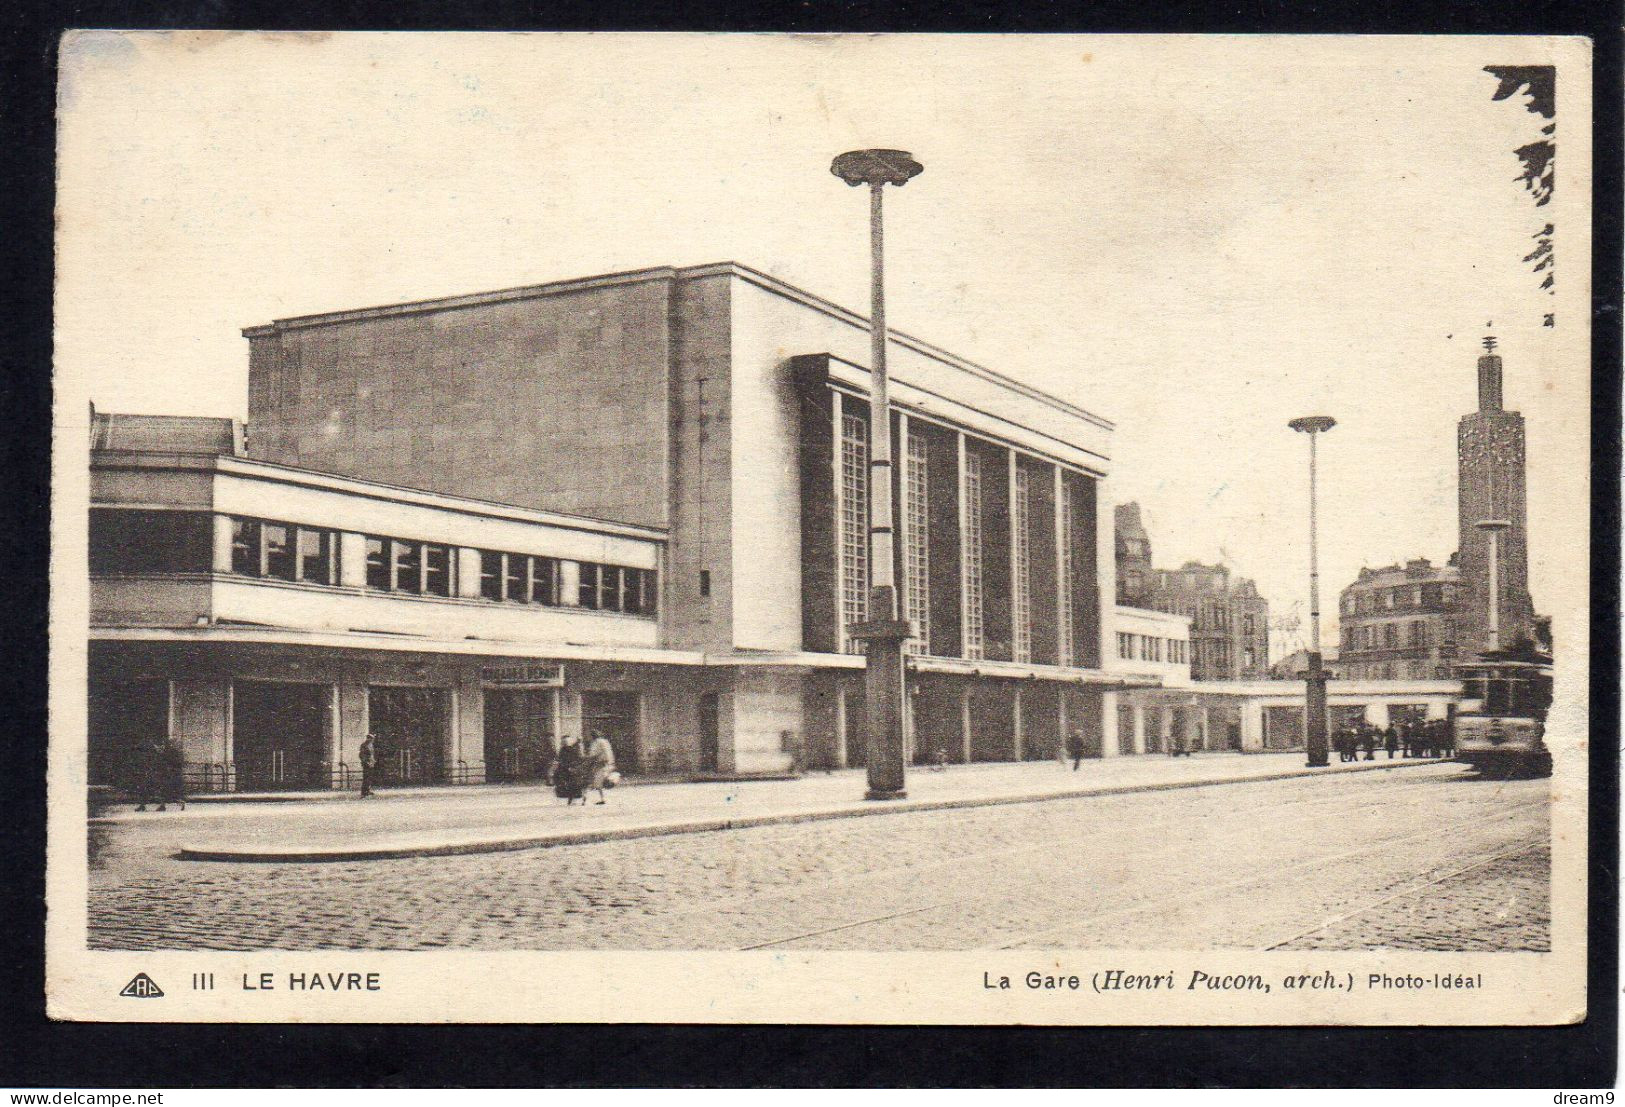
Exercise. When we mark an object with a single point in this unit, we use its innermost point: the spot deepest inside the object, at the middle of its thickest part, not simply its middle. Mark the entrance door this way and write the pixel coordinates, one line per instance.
(710, 736)
(615, 714)
(410, 726)
(279, 735)
(519, 740)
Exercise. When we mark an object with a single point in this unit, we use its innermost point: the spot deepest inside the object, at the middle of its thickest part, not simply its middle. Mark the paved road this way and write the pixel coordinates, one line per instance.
(1428, 858)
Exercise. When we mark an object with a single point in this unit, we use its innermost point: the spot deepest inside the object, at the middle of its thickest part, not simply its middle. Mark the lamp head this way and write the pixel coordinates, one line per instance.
(872, 167)
(1313, 424)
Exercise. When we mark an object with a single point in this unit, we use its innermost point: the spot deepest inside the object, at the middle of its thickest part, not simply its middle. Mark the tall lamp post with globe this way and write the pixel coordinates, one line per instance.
(884, 630)
(1314, 702)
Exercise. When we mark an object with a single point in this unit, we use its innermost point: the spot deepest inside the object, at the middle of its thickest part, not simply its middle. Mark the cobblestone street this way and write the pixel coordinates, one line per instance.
(1427, 858)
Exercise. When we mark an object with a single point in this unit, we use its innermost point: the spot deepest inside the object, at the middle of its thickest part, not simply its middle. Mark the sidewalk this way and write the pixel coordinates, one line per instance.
(420, 824)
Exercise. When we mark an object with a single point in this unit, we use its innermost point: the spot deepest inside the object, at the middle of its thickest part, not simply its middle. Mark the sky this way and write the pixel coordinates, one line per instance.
(1197, 238)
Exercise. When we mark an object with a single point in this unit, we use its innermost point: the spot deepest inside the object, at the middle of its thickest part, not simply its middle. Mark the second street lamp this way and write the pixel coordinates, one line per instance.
(1314, 700)
(884, 631)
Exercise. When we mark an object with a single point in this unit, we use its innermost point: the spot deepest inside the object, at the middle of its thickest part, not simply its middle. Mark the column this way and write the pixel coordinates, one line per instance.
(964, 707)
(333, 738)
(838, 406)
(352, 560)
(1252, 726)
(1195, 728)
(468, 573)
(1165, 726)
(1139, 726)
(570, 585)
(467, 729)
(221, 562)
(1063, 593)
(1061, 695)
(353, 724)
(1108, 724)
(1016, 724)
(840, 717)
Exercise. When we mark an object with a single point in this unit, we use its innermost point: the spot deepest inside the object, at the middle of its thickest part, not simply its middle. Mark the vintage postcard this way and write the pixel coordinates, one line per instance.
(843, 529)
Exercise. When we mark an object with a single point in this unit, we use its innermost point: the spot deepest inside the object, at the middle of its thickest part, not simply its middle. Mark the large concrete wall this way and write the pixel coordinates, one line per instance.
(547, 401)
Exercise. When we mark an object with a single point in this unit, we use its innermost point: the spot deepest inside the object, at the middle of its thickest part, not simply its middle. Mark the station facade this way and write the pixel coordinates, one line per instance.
(634, 503)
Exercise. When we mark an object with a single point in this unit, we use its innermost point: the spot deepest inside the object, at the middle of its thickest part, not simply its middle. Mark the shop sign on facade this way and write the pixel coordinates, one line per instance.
(536, 675)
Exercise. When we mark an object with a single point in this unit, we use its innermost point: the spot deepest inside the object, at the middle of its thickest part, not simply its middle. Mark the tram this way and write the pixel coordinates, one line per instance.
(1501, 723)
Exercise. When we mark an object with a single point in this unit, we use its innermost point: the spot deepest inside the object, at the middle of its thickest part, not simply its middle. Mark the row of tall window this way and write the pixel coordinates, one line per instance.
(284, 551)
(291, 552)
(1388, 636)
(1388, 599)
(1063, 610)
(416, 568)
(1150, 647)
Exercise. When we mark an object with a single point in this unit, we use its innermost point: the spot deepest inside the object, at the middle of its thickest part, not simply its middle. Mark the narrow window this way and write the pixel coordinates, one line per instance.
(245, 547)
(490, 575)
(544, 581)
(705, 582)
(378, 564)
(437, 570)
(279, 560)
(609, 588)
(408, 566)
(316, 556)
(516, 587)
(588, 592)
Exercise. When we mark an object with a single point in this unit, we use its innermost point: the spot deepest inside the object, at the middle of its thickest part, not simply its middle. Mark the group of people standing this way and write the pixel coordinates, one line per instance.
(577, 771)
(1431, 738)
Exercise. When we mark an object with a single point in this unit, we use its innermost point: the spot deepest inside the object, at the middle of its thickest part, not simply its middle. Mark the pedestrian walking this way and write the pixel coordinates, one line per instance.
(1371, 743)
(368, 756)
(171, 775)
(1391, 741)
(1074, 747)
(600, 765)
(567, 772)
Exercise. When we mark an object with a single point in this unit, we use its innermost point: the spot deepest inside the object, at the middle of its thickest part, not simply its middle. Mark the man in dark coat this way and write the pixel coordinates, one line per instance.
(368, 756)
(1390, 741)
(1074, 747)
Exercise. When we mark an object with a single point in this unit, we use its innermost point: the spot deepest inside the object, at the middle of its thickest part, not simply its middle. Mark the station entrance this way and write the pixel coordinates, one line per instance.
(279, 735)
(410, 726)
(615, 715)
(520, 737)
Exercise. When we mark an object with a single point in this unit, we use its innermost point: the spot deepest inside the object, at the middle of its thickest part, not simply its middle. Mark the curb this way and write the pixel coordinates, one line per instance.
(701, 826)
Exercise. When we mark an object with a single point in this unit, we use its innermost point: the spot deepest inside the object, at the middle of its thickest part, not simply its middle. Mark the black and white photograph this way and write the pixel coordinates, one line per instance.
(900, 528)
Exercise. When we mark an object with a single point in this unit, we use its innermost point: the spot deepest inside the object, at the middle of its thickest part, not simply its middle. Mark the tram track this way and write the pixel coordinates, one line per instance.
(801, 889)
(1149, 903)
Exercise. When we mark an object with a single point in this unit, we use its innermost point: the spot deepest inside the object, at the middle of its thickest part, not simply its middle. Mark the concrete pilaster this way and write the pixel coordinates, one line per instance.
(352, 560)
(1139, 727)
(221, 560)
(1252, 726)
(1108, 725)
(468, 573)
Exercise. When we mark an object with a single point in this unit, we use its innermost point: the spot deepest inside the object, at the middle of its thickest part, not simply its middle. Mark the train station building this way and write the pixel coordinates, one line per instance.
(634, 503)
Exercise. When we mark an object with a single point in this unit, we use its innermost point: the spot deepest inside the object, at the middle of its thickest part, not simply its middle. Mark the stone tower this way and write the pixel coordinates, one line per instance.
(1490, 485)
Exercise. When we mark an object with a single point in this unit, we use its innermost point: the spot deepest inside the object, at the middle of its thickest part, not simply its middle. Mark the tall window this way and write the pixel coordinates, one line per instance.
(1063, 593)
(1021, 601)
(917, 544)
(1125, 645)
(971, 547)
(854, 541)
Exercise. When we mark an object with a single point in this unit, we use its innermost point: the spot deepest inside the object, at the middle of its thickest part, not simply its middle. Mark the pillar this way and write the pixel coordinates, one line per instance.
(468, 573)
(840, 716)
(353, 724)
(1015, 724)
(200, 724)
(1165, 727)
(1061, 696)
(465, 759)
(1195, 728)
(1252, 726)
(352, 560)
(965, 725)
(221, 561)
(1108, 724)
(570, 590)
(1139, 727)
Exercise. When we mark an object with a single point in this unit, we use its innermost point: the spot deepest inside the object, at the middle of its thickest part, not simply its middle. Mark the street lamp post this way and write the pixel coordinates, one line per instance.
(884, 631)
(1314, 703)
(1492, 529)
